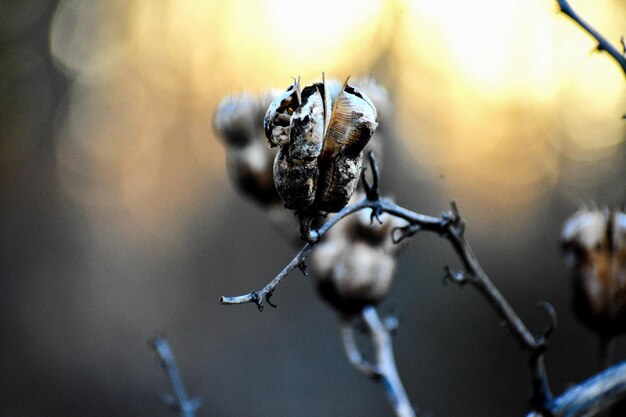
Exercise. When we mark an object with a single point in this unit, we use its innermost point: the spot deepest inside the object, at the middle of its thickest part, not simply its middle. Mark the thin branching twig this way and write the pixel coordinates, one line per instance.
(179, 401)
(603, 43)
(384, 368)
(590, 397)
(451, 226)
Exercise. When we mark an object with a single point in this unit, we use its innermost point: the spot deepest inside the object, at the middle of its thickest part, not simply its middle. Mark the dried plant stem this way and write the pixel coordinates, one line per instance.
(451, 226)
(263, 295)
(603, 44)
(180, 401)
(590, 397)
(384, 369)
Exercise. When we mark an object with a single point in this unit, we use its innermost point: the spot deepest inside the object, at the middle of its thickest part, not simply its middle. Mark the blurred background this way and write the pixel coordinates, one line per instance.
(118, 219)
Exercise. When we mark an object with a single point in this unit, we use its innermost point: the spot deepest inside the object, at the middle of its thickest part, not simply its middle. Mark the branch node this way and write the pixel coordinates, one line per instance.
(257, 299)
(313, 236)
(456, 220)
(455, 277)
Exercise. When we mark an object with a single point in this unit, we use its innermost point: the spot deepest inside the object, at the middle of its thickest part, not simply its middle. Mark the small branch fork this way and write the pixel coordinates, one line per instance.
(450, 226)
(384, 368)
(603, 43)
(179, 401)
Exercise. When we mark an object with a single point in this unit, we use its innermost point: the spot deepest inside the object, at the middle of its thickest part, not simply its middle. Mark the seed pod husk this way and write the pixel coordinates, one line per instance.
(295, 168)
(277, 121)
(352, 124)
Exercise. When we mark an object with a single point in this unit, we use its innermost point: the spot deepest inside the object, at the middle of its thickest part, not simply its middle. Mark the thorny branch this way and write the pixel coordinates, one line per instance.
(603, 43)
(180, 402)
(384, 369)
(451, 226)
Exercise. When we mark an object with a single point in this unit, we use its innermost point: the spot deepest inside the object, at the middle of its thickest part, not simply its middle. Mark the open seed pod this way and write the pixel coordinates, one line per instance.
(355, 264)
(594, 243)
(319, 161)
(238, 121)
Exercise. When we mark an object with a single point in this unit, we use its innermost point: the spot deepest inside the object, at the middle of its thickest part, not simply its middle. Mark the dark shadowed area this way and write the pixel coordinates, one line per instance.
(118, 220)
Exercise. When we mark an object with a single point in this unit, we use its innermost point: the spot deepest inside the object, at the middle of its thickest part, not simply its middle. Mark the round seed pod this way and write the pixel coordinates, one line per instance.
(594, 245)
(355, 264)
(238, 122)
(318, 167)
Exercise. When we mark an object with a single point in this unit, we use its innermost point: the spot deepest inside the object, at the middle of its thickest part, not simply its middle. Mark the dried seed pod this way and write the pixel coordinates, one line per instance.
(238, 121)
(594, 242)
(374, 91)
(277, 120)
(317, 168)
(295, 169)
(355, 264)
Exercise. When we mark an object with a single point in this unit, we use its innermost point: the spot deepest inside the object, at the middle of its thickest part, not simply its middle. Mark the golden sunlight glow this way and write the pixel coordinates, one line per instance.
(493, 94)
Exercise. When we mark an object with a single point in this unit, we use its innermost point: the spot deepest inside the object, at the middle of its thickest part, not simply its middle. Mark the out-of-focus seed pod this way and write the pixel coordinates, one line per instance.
(355, 264)
(317, 168)
(594, 243)
(238, 122)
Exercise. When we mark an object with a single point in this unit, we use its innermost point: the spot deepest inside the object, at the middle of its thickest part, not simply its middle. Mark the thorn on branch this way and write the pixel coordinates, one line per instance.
(267, 299)
(391, 324)
(377, 211)
(303, 268)
(603, 43)
(258, 300)
(547, 332)
(371, 190)
(404, 232)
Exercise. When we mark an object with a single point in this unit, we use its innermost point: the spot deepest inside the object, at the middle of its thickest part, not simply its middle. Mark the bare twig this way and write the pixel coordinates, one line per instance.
(378, 206)
(474, 275)
(590, 397)
(603, 44)
(384, 369)
(179, 401)
(381, 337)
(451, 226)
(353, 353)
